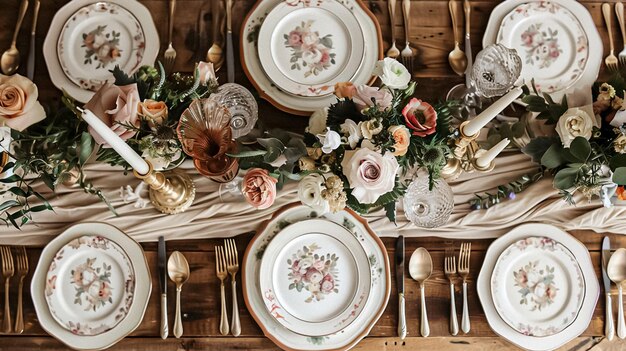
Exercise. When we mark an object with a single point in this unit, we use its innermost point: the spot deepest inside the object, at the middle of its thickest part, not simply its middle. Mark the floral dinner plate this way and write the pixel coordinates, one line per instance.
(537, 286)
(90, 285)
(315, 277)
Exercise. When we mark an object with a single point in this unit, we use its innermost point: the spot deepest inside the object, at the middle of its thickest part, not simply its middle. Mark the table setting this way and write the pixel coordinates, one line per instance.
(312, 175)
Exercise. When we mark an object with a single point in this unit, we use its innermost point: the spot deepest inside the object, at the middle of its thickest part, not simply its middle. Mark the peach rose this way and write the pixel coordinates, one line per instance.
(115, 105)
(19, 107)
(345, 90)
(259, 188)
(207, 72)
(402, 137)
(155, 112)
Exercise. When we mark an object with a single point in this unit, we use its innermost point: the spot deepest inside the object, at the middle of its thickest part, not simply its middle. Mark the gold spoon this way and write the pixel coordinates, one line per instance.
(10, 60)
(178, 270)
(456, 58)
(215, 55)
(616, 270)
(420, 269)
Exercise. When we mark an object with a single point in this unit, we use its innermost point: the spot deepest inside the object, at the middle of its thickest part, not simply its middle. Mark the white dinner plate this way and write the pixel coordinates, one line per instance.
(313, 274)
(311, 47)
(40, 285)
(592, 288)
(537, 286)
(371, 310)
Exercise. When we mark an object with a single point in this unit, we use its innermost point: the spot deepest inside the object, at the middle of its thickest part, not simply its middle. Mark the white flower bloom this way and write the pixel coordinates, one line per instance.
(312, 56)
(370, 128)
(310, 193)
(353, 132)
(369, 173)
(317, 121)
(575, 122)
(330, 140)
(392, 73)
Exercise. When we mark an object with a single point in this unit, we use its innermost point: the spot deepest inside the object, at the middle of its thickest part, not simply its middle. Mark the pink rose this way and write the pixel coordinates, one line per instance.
(420, 117)
(259, 188)
(369, 173)
(115, 105)
(19, 107)
(527, 38)
(313, 276)
(328, 283)
(295, 39)
(325, 57)
(206, 72)
(364, 94)
(105, 291)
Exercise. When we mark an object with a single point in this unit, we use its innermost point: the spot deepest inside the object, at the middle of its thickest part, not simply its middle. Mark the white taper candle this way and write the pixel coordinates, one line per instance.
(477, 123)
(485, 159)
(134, 160)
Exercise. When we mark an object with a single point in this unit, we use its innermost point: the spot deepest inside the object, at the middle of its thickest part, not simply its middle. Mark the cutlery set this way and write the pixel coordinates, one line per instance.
(407, 55)
(14, 264)
(10, 59)
(227, 263)
(177, 268)
(613, 62)
(460, 61)
(613, 270)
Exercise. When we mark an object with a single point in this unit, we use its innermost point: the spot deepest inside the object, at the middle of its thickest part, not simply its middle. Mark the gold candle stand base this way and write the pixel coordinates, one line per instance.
(171, 192)
(465, 152)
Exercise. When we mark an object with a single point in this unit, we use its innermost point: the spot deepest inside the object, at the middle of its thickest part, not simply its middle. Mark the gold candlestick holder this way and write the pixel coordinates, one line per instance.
(171, 191)
(465, 153)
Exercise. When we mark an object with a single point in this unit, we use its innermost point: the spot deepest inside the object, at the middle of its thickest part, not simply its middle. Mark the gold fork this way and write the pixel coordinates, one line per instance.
(464, 268)
(232, 261)
(21, 261)
(7, 273)
(393, 51)
(220, 268)
(611, 60)
(450, 271)
(170, 53)
(407, 53)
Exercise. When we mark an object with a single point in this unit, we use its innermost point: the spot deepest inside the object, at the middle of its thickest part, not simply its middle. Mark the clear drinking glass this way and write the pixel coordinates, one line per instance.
(496, 70)
(428, 208)
(242, 105)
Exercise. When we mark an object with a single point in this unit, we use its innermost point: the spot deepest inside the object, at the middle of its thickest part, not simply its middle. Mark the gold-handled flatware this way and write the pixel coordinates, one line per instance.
(30, 62)
(215, 55)
(464, 269)
(10, 60)
(21, 263)
(7, 272)
(456, 58)
(178, 270)
(420, 269)
(170, 54)
(407, 54)
(619, 10)
(393, 51)
(611, 60)
(616, 270)
(232, 264)
(222, 273)
(450, 272)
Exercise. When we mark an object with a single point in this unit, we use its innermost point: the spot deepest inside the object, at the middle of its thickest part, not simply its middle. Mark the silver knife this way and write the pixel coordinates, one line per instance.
(230, 55)
(30, 64)
(162, 265)
(609, 327)
(468, 44)
(400, 283)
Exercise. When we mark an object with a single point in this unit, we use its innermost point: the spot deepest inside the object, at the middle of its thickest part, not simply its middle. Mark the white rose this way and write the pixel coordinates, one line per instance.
(317, 121)
(330, 140)
(353, 131)
(392, 73)
(370, 174)
(99, 40)
(312, 56)
(310, 193)
(370, 128)
(310, 38)
(575, 122)
(104, 50)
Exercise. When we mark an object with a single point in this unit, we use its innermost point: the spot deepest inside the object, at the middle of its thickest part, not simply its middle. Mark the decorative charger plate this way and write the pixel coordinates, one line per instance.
(91, 284)
(590, 298)
(82, 235)
(371, 310)
(116, 28)
(551, 42)
(314, 275)
(95, 39)
(311, 47)
(537, 286)
(291, 103)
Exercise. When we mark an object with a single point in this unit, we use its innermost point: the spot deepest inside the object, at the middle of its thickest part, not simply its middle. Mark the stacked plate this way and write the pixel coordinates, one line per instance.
(538, 287)
(557, 41)
(316, 283)
(88, 38)
(91, 286)
(295, 51)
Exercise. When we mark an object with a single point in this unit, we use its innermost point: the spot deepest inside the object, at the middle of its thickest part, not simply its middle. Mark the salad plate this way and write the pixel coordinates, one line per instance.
(91, 238)
(537, 286)
(316, 272)
(310, 47)
(371, 308)
(91, 284)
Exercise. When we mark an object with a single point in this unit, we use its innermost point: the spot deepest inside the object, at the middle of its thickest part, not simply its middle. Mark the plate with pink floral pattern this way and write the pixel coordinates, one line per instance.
(310, 47)
(537, 286)
(551, 42)
(90, 285)
(315, 274)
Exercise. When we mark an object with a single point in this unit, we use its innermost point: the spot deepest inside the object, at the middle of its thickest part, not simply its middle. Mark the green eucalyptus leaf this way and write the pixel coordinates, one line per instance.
(538, 147)
(580, 149)
(619, 176)
(8, 204)
(86, 147)
(518, 129)
(248, 153)
(565, 178)
(553, 157)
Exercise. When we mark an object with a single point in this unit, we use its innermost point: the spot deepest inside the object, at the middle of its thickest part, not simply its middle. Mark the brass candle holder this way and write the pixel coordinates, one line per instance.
(465, 153)
(171, 191)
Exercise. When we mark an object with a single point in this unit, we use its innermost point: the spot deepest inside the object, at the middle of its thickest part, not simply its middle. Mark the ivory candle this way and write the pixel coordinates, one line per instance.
(474, 126)
(485, 159)
(119, 145)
